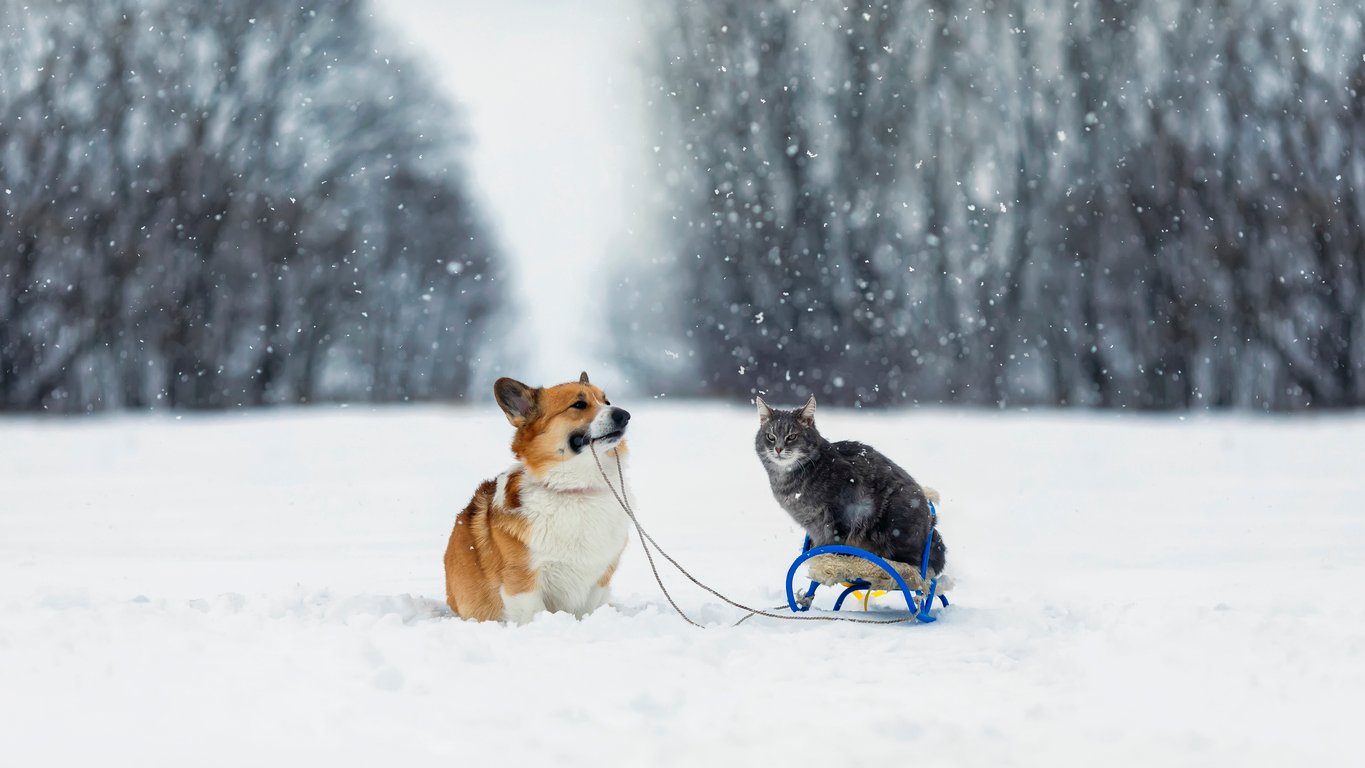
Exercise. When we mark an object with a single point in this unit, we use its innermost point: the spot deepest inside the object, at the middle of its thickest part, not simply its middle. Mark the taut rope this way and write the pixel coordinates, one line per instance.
(645, 537)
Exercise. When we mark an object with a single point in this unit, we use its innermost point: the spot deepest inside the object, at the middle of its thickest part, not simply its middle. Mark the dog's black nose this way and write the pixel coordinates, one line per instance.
(619, 417)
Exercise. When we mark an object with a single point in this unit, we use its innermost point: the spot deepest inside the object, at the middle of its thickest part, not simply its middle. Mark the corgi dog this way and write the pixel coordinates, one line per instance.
(547, 534)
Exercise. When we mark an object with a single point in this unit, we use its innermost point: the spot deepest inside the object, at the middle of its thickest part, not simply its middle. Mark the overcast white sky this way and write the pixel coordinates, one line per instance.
(550, 97)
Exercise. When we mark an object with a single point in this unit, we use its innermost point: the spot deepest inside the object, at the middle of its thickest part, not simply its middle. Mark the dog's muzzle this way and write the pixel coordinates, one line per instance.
(615, 426)
(608, 428)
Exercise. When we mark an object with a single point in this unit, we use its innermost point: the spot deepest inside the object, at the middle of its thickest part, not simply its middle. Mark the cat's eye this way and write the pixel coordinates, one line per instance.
(580, 405)
(771, 438)
(791, 438)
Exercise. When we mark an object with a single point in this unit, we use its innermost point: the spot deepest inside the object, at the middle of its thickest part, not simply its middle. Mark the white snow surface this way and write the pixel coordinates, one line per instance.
(267, 589)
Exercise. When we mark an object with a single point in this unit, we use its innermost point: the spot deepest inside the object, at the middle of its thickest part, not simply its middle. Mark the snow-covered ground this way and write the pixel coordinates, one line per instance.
(263, 589)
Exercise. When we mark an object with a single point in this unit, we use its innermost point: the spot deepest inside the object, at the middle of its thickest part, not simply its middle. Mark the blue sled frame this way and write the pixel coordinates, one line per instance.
(918, 602)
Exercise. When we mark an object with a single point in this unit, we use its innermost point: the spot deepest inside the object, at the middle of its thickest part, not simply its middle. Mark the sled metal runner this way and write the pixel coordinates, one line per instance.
(919, 601)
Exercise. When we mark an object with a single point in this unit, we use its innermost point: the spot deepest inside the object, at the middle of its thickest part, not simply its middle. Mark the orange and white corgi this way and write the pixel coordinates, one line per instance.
(546, 535)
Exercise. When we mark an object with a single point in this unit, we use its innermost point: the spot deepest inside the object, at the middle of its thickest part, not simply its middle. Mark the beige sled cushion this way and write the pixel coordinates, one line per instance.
(832, 570)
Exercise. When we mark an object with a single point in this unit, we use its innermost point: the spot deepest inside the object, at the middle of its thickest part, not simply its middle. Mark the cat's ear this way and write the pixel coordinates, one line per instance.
(765, 411)
(807, 413)
(516, 400)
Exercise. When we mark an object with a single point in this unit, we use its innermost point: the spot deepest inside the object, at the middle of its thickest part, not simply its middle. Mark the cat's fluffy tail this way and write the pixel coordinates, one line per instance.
(931, 494)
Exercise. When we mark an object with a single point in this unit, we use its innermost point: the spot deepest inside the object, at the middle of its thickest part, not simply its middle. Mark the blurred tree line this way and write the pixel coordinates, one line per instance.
(1145, 204)
(212, 205)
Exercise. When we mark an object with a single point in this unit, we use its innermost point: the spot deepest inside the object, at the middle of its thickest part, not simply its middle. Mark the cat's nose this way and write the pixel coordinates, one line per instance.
(779, 451)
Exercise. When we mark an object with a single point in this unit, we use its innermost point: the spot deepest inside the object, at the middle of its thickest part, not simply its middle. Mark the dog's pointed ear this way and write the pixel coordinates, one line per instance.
(583, 378)
(516, 400)
(765, 412)
(807, 413)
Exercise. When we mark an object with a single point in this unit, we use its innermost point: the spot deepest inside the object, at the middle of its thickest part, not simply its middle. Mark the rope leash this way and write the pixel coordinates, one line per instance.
(645, 537)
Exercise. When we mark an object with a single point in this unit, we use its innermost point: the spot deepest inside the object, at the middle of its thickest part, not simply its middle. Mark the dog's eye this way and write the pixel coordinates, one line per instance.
(771, 438)
(606, 402)
(580, 405)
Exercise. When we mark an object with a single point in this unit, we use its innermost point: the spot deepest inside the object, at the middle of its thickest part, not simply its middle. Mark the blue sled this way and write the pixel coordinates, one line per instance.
(918, 602)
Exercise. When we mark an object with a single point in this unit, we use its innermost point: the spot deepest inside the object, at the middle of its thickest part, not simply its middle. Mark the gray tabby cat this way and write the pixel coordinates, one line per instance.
(844, 492)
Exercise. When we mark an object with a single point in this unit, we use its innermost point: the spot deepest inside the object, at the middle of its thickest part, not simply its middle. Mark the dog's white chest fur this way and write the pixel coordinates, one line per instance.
(574, 537)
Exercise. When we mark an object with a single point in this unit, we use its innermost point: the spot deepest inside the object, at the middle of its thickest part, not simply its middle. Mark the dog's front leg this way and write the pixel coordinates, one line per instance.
(523, 606)
(600, 592)
(598, 596)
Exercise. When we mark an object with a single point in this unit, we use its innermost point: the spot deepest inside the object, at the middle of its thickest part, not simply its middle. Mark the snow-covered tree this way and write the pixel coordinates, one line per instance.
(210, 205)
(1153, 203)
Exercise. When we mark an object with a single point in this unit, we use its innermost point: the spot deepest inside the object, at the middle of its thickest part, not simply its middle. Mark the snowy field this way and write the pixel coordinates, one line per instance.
(267, 589)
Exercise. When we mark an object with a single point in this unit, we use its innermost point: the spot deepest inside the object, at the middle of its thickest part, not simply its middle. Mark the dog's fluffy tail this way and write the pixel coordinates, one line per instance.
(931, 494)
